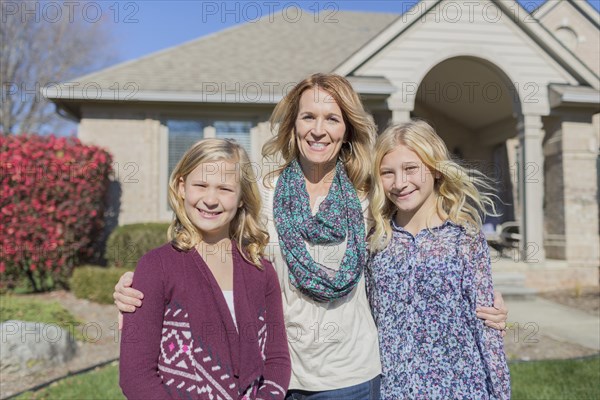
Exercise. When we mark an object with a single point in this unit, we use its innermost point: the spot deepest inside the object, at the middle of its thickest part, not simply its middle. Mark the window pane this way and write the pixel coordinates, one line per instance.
(182, 135)
(238, 130)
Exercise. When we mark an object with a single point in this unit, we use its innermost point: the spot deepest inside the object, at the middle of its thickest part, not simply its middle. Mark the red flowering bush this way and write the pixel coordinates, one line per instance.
(52, 202)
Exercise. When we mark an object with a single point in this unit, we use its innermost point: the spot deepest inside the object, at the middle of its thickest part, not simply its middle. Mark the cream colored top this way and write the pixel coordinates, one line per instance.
(333, 345)
(228, 294)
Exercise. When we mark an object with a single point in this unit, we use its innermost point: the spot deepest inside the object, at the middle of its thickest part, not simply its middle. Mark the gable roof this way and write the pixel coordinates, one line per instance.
(262, 55)
(583, 7)
(263, 59)
(546, 40)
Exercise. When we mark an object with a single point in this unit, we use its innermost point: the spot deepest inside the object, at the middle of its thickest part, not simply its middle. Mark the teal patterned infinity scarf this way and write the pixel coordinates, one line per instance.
(339, 215)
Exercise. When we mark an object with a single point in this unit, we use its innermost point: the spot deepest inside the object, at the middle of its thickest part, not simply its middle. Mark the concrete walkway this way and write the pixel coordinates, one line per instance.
(556, 321)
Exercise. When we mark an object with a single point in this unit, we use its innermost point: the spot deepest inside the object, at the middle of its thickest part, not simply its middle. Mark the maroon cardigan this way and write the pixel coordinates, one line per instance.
(182, 342)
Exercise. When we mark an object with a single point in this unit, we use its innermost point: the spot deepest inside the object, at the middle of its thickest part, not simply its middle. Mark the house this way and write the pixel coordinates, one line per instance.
(514, 93)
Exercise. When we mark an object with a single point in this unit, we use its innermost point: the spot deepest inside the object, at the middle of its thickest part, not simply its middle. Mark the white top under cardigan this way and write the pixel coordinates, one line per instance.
(333, 345)
(228, 294)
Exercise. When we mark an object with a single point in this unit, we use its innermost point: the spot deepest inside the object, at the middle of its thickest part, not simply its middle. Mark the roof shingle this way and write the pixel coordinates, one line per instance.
(271, 51)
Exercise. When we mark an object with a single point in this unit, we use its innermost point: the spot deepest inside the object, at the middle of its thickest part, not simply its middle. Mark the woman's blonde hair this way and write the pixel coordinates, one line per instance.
(457, 188)
(245, 228)
(360, 129)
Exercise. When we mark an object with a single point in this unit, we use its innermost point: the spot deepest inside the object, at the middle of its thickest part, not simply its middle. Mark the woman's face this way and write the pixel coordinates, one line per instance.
(320, 128)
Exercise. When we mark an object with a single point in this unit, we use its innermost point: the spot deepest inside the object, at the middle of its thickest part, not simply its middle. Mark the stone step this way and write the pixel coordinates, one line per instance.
(508, 278)
(510, 292)
(512, 286)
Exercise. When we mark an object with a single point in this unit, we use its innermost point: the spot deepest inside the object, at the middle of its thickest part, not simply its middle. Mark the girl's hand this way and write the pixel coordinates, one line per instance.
(495, 317)
(126, 298)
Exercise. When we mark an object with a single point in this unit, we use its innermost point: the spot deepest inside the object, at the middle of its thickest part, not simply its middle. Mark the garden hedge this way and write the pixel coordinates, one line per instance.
(128, 243)
(52, 193)
(95, 283)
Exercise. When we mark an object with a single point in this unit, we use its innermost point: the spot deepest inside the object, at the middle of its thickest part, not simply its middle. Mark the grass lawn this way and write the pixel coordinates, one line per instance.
(29, 309)
(552, 380)
(101, 384)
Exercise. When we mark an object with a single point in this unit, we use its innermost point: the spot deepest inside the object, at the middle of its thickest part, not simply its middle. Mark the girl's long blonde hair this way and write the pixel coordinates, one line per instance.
(360, 128)
(245, 228)
(463, 195)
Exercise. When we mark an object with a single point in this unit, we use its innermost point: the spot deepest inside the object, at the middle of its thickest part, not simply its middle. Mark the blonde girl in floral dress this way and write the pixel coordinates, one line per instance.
(429, 270)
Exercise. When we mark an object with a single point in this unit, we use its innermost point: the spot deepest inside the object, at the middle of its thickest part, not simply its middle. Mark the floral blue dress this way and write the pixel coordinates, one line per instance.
(423, 291)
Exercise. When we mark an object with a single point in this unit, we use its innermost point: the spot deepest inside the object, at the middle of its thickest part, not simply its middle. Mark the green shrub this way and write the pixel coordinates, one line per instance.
(128, 243)
(95, 283)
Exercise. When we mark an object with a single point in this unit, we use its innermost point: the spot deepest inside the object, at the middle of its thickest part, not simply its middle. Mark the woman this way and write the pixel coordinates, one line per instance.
(315, 206)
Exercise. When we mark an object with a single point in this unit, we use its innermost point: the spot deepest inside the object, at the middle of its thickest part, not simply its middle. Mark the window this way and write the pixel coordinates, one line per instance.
(182, 135)
(238, 130)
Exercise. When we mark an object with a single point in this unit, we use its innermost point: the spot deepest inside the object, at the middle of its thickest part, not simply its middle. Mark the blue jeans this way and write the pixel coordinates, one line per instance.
(363, 391)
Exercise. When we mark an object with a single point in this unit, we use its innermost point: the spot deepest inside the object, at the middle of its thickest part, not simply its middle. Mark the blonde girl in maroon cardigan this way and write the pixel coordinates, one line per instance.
(211, 325)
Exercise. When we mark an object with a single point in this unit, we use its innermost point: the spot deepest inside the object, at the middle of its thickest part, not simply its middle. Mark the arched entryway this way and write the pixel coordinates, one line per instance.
(474, 108)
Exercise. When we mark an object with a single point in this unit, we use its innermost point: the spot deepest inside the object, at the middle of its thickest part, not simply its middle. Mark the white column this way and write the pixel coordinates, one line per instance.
(210, 132)
(400, 110)
(531, 185)
(400, 116)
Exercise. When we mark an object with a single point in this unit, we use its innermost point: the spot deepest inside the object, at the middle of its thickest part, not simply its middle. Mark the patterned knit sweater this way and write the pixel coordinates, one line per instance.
(183, 343)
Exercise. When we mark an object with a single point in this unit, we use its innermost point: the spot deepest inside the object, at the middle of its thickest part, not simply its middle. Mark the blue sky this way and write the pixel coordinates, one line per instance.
(143, 27)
